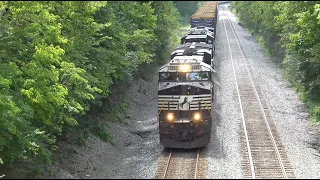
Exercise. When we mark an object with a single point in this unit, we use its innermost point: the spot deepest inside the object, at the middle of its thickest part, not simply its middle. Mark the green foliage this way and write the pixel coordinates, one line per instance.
(60, 58)
(295, 26)
(186, 10)
(144, 91)
(315, 111)
(167, 27)
(39, 104)
(261, 40)
(200, 3)
(81, 135)
(100, 131)
(119, 111)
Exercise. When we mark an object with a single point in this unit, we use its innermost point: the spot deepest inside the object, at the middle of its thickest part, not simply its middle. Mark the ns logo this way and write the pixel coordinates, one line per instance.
(183, 101)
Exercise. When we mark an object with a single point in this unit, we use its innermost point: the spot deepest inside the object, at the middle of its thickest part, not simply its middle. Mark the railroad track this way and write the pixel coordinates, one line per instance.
(181, 164)
(263, 154)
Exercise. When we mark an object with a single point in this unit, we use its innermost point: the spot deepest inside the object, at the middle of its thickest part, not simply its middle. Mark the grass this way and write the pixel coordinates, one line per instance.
(140, 89)
(262, 42)
(119, 111)
(100, 131)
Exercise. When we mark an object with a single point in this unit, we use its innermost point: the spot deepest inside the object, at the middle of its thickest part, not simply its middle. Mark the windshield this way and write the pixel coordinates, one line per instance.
(196, 40)
(182, 76)
(196, 76)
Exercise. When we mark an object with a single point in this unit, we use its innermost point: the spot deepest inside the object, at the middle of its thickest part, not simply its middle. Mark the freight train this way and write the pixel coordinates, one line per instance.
(185, 85)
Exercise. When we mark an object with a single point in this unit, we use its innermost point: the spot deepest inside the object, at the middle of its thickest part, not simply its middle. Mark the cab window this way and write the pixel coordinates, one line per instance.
(166, 76)
(172, 76)
(182, 76)
(198, 76)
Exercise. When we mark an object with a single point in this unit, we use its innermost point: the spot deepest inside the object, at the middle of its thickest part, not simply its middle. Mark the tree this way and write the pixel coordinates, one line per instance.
(186, 10)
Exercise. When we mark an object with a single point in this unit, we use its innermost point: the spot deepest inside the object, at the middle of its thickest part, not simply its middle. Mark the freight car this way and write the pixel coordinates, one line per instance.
(205, 16)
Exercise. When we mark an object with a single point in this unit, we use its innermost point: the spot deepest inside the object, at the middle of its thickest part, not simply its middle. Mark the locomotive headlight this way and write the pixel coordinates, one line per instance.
(170, 117)
(196, 116)
(184, 68)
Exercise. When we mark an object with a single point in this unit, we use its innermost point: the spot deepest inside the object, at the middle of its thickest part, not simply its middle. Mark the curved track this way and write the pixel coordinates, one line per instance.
(263, 155)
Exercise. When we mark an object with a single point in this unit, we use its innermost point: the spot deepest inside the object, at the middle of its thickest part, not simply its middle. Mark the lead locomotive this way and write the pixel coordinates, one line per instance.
(185, 86)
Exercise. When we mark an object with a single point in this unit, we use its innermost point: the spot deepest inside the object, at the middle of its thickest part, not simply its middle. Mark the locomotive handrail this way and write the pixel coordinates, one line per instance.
(208, 108)
(161, 107)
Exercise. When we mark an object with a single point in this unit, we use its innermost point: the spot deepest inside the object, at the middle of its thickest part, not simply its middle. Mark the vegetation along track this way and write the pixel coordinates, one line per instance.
(181, 164)
(263, 155)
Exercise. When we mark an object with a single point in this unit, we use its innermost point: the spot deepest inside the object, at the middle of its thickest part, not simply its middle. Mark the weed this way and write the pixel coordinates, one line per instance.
(261, 40)
(36, 171)
(144, 91)
(100, 131)
(119, 111)
(82, 136)
(139, 89)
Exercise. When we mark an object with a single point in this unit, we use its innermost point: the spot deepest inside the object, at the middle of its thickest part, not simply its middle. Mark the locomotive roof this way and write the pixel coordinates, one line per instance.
(186, 59)
(199, 31)
(195, 50)
(196, 45)
(197, 36)
(192, 60)
(204, 27)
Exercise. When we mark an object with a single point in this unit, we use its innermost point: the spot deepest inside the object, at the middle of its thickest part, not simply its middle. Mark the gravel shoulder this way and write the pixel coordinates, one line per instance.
(223, 152)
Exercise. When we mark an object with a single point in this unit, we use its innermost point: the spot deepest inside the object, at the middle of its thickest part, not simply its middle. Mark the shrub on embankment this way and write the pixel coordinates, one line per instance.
(59, 58)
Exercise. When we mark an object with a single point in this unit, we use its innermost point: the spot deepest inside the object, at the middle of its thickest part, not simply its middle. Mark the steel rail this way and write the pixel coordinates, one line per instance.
(241, 108)
(260, 105)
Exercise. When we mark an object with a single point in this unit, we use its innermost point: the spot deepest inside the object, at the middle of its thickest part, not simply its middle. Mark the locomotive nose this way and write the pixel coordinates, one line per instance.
(185, 135)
